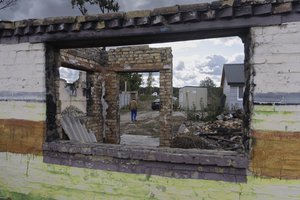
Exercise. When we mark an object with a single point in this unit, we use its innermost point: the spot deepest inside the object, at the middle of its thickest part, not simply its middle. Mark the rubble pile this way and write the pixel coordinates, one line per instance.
(225, 133)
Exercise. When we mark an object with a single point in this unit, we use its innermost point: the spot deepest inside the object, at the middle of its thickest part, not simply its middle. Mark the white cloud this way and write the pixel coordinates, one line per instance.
(236, 58)
(70, 75)
(228, 41)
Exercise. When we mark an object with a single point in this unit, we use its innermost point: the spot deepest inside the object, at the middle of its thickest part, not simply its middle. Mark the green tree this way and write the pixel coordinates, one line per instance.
(134, 81)
(150, 81)
(81, 6)
(207, 82)
(105, 6)
(7, 3)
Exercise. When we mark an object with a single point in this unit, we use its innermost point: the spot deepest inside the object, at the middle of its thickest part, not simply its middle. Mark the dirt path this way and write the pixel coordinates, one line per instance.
(147, 123)
(145, 131)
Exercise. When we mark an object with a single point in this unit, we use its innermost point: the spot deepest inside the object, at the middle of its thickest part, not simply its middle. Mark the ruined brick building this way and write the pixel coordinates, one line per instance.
(36, 163)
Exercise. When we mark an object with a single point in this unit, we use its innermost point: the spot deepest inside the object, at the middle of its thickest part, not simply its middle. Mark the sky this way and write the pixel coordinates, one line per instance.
(192, 60)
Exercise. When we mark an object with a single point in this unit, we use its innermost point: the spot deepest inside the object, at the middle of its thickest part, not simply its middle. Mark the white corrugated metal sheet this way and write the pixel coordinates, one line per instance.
(75, 130)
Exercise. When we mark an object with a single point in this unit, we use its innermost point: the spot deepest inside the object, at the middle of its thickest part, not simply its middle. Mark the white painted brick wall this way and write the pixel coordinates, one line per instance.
(276, 61)
(276, 58)
(22, 82)
(22, 67)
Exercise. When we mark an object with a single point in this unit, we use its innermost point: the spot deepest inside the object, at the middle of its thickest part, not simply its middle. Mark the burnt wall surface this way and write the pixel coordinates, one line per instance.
(176, 163)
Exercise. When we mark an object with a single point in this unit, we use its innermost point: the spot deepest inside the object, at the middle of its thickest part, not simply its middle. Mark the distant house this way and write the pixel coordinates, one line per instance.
(191, 97)
(126, 97)
(233, 84)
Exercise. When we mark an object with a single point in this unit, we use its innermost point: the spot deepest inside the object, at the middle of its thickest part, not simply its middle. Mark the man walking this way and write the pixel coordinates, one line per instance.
(133, 109)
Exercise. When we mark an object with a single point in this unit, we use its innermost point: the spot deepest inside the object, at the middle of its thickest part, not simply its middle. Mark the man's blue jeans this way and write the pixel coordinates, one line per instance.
(133, 115)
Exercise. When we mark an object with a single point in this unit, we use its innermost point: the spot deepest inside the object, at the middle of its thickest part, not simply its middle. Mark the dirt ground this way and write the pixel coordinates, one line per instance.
(145, 131)
(218, 134)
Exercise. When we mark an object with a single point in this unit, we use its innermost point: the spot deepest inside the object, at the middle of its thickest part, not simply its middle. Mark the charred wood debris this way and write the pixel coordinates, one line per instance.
(224, 133)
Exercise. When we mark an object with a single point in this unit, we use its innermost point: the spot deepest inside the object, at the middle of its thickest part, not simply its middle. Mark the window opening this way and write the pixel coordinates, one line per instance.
(240, 92)
(205, 115)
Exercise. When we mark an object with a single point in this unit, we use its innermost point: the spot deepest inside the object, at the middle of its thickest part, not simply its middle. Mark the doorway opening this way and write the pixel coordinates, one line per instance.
(143, 88)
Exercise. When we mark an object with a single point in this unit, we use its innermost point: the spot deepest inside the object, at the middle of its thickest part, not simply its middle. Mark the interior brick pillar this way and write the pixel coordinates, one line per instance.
(94, 106)
(165, 118)
(112, 121)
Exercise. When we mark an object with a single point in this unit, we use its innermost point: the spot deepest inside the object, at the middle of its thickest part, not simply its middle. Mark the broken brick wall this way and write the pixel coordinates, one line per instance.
(89, 59)
(139, 59)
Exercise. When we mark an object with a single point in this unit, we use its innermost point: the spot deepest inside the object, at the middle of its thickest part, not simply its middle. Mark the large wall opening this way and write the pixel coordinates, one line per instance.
(145, 130)
(216, 123)
(103, 83)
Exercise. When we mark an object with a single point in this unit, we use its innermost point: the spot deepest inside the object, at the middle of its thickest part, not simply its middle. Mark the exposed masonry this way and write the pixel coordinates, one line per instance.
(103, 83)
(176, 163)
(90, 60)
(140, 59)
(74, 59)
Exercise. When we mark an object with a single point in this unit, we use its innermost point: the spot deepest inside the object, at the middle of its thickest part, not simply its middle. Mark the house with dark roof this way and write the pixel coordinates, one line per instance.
(193, 97)
(233, 84)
